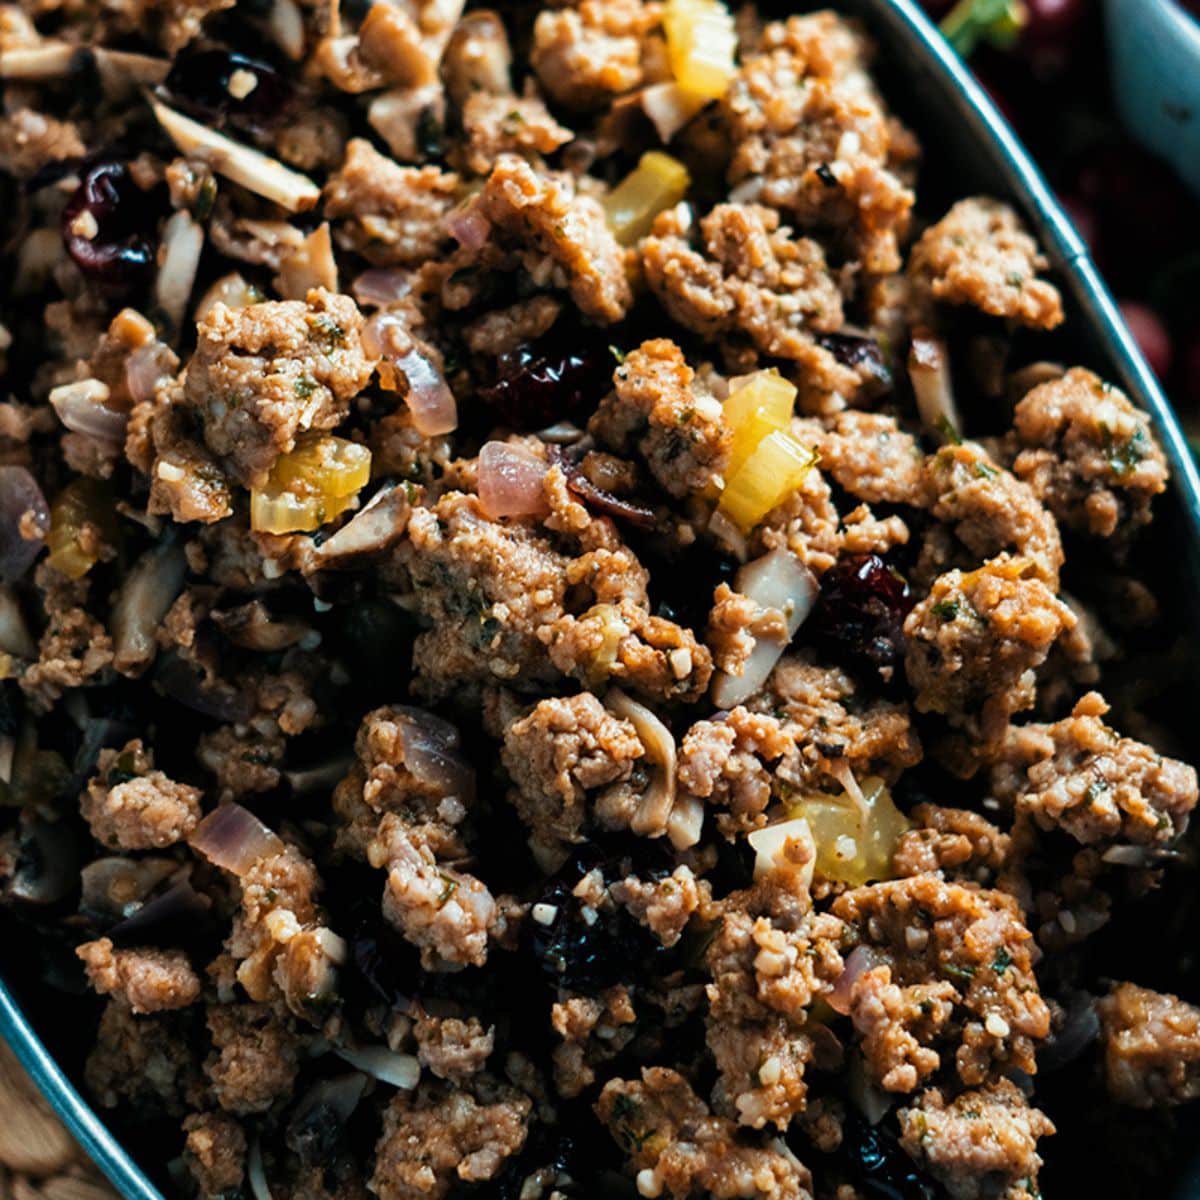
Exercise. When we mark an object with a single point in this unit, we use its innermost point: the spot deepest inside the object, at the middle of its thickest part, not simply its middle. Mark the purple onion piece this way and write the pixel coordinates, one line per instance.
(233, 838)
(23, 510)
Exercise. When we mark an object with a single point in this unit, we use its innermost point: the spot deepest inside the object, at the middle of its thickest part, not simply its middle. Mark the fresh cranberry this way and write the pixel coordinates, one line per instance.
(542, 384)
(227, 87)
(1150, 334)
(104, 227)
(859, 616)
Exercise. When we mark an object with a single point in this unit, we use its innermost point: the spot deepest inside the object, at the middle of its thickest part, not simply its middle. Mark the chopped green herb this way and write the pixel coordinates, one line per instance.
(946, 610)
(1002, 961)
(964, 973)
(985, 470)
(304, 386)
(1015, 279)
(617, 353)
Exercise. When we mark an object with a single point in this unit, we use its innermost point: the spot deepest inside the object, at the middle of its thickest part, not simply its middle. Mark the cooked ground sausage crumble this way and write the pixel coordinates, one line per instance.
(516, 679)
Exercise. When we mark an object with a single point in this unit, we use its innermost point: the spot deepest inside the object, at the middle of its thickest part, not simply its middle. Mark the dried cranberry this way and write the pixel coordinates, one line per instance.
(876, 1163)
(862, 353)
(859, 615)
(104, 227)
(543, 383)
(227, 87)
(584, 949)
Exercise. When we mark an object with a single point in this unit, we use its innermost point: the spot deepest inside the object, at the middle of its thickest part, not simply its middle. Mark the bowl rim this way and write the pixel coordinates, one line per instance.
(1071, 262)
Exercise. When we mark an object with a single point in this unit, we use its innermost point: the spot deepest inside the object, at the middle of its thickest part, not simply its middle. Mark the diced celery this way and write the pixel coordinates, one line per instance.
(274, 511)
(762, 405)
(656, 183)
(855, 843)
(775, 468)
(701, 44)
(82, 519)
(324, 464)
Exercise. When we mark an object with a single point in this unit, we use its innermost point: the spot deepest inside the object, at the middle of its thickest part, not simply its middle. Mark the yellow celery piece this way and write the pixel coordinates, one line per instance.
(286, 512)
(310, 485)
(762, 405)
(84, 502)
(657, 183)
(853, 846)
(774, 470)
(323, 463)
(701, 45)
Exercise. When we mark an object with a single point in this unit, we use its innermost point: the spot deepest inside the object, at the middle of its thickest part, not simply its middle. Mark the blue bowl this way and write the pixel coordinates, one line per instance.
(938, 93)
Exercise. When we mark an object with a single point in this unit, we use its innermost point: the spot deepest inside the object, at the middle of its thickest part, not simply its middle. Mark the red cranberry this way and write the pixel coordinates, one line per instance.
(104, 227)
(541, 385)
(859, 616)
(227, 87)
(1150, 334)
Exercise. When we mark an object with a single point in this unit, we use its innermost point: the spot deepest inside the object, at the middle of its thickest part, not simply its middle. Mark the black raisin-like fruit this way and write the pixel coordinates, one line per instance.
(541, 384)
(106, 227)
(581, 948)
(859, 616)
(228, 87)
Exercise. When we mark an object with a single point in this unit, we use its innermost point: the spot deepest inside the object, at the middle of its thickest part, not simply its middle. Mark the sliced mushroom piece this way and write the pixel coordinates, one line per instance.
(251, 626)
(929, 370)
(15, 638)
(148, 592)
(285, 25)
(123, 71)
(311, 265)
(376, 528)
(243, 165)
(34, 64)
(478, 57)
(652, 818)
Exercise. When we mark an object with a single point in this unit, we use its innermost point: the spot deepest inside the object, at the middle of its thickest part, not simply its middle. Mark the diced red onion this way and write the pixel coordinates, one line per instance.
(400, 1070)
(83, 408)
(469, 228)
(23, 510)
(429, 399)
(859, 961)
(234, 839)
(145, 369)
(430, 752)
(510, 481)
(381, 285)
(778, 580)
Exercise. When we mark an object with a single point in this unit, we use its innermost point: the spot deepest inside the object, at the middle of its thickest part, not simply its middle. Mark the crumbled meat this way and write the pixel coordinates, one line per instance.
(659, 406)
(954, 842)
(1088, 455)
(982, 1145)
(391, 215)
(243, 758)
(31, 140)
(1151, 1047)
(755, 280)
(562, 750)
(130, 806)
(146, 979)
(870, 457)
(979, 254)
(441, 1135)
(264, 374)
(771, 958)
(991, 510)
(255, 1057)
(725, 762)
(1080, 776)
(586, 53)
(664, 906)
(498, 125)
(970, 945)
(833, 727)
(679, 1148)
(594, 1030)
(453, 1048)
(215, 1153)
(811, 137)
(144, 1061)
(74, 647)
(976, 640)
(556, 235)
